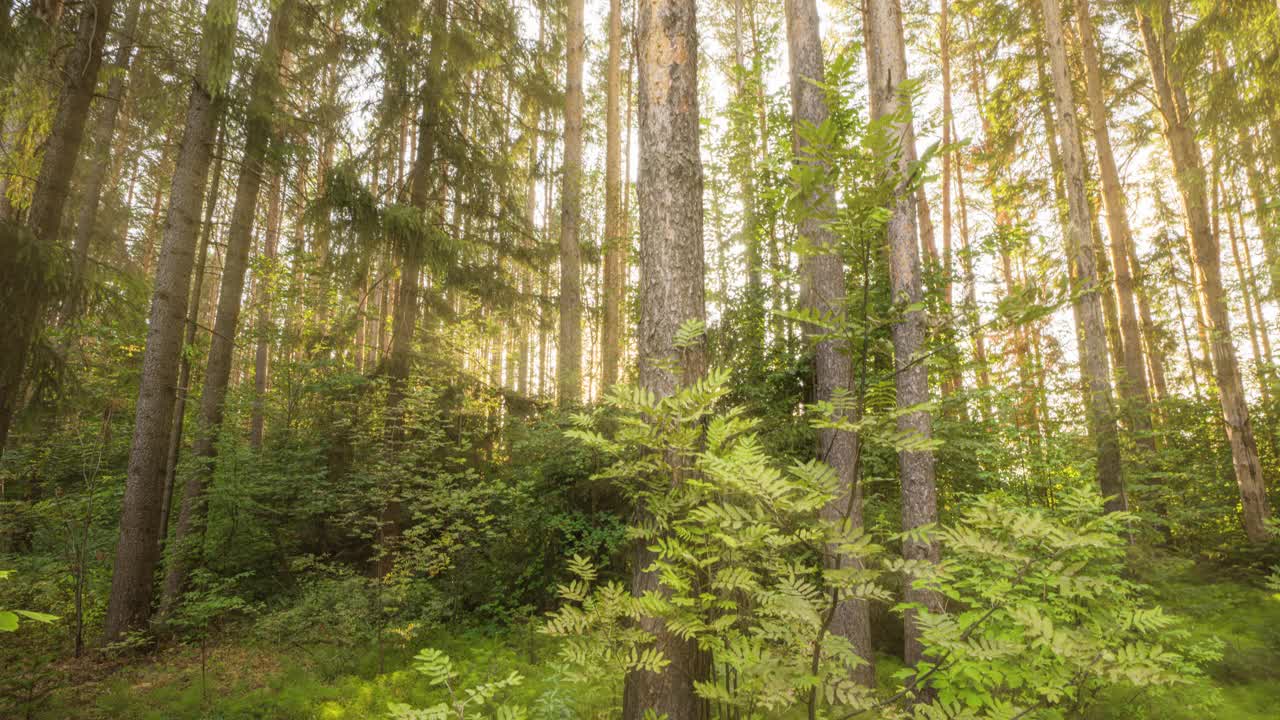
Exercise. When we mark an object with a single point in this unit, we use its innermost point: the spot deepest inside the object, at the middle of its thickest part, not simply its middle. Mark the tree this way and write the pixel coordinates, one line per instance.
(1095, 367)
(259, 125)
(100, 147)
(615, 251)
(1133, 377)
(1188, 170)
(671, 292)
(61, 153)
(569, 349)
(412, 247)
(886, 72)
(138, 549)
(824, 295)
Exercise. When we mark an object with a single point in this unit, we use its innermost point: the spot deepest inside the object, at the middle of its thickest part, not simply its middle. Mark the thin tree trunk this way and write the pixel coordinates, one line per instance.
(671, 287)
(1190, 176)
(263, 326)
(569, 350)
(944, 33)
(1247, 296)
(1095, 369)
(138, 549)
(1263, 333)
(1156, 361)
(615, 241)
(886, 70)
(1132, 374)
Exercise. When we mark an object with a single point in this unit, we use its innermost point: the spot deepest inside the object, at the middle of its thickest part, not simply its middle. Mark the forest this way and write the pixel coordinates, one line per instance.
(640, 359)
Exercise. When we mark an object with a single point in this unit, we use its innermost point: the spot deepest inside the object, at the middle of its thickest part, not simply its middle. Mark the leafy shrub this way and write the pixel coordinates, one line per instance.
(1042, 617)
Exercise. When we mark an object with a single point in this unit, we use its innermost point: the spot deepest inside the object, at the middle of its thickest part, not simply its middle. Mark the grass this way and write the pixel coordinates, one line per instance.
(248, 679)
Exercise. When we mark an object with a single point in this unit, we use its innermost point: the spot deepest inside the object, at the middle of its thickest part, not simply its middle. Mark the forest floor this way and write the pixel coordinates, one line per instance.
(245, 679)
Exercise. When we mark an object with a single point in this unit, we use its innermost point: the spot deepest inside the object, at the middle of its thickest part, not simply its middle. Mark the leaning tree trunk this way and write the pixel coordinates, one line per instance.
(569, 350)
(887, 68)
(1189, 173)
(671, 293)
(824, 294)
(138, 550)
(1094, 364)
(615, 242)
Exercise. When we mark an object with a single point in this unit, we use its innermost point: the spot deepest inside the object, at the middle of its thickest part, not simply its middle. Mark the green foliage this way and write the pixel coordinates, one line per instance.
(440, 673)
(9, 618)
(1044, 613)
(217, 47)
(736, 542)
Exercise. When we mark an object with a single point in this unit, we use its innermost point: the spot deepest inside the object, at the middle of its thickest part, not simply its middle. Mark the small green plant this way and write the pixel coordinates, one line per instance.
(209, 603)
(439, 670)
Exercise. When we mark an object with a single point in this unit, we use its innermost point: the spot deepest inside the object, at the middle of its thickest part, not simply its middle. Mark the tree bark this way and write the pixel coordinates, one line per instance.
(192, 324)
(824, 293)
(569, 350)
(1094, 365)
(138, 550)
(1192, 185)
(886, 70)
(671, 291)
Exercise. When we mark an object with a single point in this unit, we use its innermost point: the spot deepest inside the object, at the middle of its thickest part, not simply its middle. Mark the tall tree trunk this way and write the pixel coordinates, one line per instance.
(192, 324)
(1190, 175)
(671, 293)
(824, 293)
(61, 151)
(1095, 368)
(189, 534)
(745, 149)
(1252, 275)
(944, 41)
(138, 550)
(615, 242)
(99, 149)
(569, 350)
(531, 221)
(1246, 295)
(1263, 213)
(263, 325)
(971, 311)
(1156, 361)
(886, 70)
